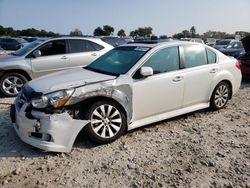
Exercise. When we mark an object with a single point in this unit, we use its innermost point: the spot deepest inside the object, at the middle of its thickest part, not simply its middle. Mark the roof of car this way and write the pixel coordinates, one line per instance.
(71, 37)
(154, 44)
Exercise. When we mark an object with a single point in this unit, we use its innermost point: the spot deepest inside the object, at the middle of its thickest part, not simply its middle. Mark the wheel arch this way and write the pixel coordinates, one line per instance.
(19, 71)
(229, 84)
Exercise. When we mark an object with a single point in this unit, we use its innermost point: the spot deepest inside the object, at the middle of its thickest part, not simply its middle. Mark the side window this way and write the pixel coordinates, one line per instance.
(53, 48)
(89, 46)
(164, 60)
(194, 55)
(96, 46)
(211, 57)
(78, 45)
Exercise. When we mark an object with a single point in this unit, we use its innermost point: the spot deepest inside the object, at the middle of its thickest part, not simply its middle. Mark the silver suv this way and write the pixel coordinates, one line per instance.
(44, 57)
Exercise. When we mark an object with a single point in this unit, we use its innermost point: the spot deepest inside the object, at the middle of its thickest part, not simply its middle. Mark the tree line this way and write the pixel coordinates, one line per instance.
(9, 31)
(108, 30)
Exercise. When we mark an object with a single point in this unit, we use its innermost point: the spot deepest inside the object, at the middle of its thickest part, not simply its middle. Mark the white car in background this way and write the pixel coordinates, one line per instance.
(128, 87)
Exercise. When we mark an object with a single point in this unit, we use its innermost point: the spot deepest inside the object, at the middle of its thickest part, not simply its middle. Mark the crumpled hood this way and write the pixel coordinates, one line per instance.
(67, 79)
(246, 43)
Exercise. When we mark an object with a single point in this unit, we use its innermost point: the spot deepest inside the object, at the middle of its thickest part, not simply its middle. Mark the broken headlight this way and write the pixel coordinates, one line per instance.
(55, 99)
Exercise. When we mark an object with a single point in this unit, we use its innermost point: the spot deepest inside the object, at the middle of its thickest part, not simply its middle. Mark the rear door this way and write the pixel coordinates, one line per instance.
(82, 52)
(199, 70)
(53, 58)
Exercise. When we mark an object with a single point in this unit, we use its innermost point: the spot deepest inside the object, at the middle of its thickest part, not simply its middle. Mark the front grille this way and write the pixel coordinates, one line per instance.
(26, 95)
(29, 93)
(21, 100)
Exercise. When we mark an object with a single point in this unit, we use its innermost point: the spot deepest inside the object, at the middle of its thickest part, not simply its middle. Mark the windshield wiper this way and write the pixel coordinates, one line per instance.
(100, 71)
(13, 54)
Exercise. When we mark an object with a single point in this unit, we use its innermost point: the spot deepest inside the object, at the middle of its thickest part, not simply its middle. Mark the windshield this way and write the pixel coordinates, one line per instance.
(235, 45)
(118, 61)
(27, 48)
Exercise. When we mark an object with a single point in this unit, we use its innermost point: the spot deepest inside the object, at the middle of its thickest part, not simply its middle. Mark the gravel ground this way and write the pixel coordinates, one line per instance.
(201, 149)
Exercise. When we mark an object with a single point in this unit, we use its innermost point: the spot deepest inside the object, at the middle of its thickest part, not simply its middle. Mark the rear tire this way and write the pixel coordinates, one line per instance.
(107, 122)
(11, 84)
(220, 96)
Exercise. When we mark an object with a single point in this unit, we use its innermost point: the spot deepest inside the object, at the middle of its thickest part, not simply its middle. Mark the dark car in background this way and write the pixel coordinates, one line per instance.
(222, 43)
(244, 59)
(2, 51)
(30, 39)
(234, 49)
(10, 43)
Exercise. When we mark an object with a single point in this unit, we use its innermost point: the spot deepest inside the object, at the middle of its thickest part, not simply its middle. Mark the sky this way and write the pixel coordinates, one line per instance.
(166, 17)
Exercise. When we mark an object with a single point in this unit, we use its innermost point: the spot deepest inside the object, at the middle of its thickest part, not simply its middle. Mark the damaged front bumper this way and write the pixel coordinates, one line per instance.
(50, 132)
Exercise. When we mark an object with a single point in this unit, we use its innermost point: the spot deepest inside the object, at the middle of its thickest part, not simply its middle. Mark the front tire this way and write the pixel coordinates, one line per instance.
(107, 122)
(220, 96)
(11, 84)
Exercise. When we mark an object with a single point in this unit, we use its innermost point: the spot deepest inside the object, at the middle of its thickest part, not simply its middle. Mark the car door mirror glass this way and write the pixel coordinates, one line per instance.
(37, 53)
(146, 71)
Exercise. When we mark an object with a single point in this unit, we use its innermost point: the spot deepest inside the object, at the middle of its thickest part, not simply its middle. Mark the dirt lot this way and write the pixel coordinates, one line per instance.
(201, 149)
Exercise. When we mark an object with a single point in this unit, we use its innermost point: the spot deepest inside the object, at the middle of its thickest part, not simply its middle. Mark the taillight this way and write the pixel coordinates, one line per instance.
(237, 64)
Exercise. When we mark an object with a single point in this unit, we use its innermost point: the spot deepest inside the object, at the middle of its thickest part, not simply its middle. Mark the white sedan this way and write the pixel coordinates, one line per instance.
(128, 87)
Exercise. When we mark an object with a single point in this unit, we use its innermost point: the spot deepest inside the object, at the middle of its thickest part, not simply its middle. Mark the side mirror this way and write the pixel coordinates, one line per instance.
(146, 71)
(37, 53)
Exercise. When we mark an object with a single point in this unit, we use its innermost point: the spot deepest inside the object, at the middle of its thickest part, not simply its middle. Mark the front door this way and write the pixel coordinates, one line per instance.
(53, 58)
(163, 91)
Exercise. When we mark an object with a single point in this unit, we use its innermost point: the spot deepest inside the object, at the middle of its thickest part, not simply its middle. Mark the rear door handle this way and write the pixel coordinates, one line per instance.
(178, 78)
(213, 70)
(64, 57)
(94, 54)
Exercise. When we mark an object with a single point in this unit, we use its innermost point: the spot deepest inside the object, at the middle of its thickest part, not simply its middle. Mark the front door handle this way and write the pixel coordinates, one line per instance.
(64, 57)
(94, 54)
(178, 78)
(213, 70)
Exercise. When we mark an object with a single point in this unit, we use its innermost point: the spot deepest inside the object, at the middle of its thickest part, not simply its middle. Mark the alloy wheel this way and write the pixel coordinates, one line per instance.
(221, 96)
(106, 121)
(12, 85)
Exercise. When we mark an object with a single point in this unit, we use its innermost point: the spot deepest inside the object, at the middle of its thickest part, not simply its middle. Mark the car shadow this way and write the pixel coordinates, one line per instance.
(245, 83)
